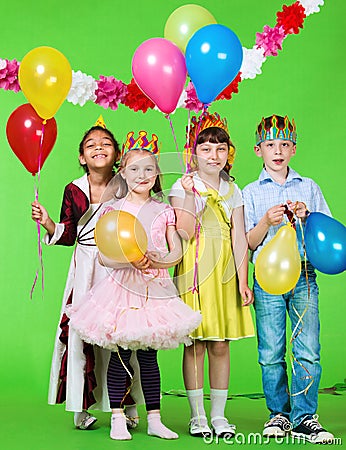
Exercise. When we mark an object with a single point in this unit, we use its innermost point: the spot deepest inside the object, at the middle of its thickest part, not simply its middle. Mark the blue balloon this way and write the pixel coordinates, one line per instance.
(213, 58)
(325, 243)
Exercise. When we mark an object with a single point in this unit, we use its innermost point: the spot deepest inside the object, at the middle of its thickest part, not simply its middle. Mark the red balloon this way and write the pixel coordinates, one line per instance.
(24, 130)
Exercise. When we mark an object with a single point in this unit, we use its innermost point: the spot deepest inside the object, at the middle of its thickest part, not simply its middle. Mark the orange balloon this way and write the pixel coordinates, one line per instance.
(278, 264)
(120, 236)
(45, 77)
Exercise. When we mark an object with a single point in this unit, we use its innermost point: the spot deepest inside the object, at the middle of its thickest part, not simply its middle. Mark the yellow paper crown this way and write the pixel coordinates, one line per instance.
(141, 143)
(205, 121)
(197, 125)
(100, 122)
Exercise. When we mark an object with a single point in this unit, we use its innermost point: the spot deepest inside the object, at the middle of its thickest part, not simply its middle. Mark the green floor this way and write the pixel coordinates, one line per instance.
(28, 424)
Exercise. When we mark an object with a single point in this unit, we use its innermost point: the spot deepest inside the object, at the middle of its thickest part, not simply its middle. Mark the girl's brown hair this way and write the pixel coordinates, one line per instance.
(216, 135)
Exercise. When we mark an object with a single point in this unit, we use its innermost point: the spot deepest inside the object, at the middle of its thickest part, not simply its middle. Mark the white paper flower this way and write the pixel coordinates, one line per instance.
(253, 59)
(311, 6)
(182, 98)
(83, 88)
(3, 64)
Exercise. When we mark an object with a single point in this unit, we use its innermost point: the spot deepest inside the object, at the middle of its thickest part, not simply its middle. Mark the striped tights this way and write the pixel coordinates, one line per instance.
(149, 374)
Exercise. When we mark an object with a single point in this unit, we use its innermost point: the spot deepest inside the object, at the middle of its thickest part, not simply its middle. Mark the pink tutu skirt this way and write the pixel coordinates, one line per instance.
(134, 311)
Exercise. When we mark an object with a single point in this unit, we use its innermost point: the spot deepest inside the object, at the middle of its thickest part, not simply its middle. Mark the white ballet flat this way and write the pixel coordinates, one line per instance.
(224, 429)
(198, 429)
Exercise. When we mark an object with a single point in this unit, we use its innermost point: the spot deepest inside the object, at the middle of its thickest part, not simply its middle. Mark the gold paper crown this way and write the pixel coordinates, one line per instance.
(100, 122)
(141, 143)
(205, 121)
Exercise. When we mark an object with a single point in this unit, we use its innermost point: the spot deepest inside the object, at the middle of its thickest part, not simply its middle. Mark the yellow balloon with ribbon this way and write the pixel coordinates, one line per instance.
(45, 77)
(120, 236)
(278, 264)
(184, 22)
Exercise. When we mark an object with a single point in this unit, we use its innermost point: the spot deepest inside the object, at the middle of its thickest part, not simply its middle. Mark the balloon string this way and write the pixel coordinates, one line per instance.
(128, 390)
(296, 333)
(198, 228)
(181, 159)
(195, 271)
(188, 156)
(193, 152)
(38, 225)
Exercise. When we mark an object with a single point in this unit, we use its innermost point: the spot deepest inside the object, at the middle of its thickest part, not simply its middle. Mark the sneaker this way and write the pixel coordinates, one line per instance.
(312, 431)
(198, 427)
(278, 426)
(84, 420)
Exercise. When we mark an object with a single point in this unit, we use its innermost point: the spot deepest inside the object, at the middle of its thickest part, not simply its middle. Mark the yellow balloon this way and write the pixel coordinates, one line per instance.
(278, 264)
(120, 236)
(45, 77)
(184, 22)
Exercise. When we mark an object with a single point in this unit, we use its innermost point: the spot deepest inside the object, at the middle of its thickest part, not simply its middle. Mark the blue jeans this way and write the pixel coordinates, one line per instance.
(301, 401)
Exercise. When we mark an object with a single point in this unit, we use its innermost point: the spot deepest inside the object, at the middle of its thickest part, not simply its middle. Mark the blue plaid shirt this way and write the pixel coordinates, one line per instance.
(264, 193)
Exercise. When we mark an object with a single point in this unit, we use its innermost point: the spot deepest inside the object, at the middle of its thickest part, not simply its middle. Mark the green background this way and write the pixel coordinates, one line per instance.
(305, 81)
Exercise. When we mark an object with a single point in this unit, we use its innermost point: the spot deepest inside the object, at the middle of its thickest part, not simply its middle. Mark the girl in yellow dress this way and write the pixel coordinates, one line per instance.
(213, 274)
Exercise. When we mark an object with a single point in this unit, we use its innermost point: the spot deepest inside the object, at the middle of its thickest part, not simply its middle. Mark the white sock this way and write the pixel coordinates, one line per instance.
(196, 401)
(118, 426)
(218, 398)
(157, 428)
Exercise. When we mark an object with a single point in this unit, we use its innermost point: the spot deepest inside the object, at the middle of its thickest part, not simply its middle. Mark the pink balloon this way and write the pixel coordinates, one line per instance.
(159, 69)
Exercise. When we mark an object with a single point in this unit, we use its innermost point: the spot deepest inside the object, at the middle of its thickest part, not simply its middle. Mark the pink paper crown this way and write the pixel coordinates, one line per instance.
(141, 143)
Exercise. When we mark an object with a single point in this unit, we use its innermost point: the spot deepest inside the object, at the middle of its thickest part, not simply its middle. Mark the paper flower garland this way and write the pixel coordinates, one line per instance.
(109, 92)
(253, 59)
(83, 89)
(270, 40)
(311, 6)
(291, 18)
(9, 75)
(136, 100)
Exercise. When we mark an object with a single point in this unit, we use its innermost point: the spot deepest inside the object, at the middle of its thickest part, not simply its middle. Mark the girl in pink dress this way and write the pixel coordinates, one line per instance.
(137, 308)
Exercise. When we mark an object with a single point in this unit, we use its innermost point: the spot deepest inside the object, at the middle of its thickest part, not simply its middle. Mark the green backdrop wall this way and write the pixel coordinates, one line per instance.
(305, 81)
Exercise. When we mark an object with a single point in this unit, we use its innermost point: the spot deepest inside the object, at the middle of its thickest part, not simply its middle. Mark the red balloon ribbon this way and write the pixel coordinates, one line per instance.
(38, 225)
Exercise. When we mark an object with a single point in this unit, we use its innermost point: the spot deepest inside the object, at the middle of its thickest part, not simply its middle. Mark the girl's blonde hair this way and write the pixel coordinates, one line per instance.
(123, 188)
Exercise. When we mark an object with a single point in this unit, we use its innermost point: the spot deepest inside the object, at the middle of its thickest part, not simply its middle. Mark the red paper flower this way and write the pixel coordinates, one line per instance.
(232, 88)
(9, 75)
(192, 102)
(110, 92)
(136, 100)
(291, 18)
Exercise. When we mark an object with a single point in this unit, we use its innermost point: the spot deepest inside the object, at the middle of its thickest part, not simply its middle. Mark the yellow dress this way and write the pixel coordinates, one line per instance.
(218, 298)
